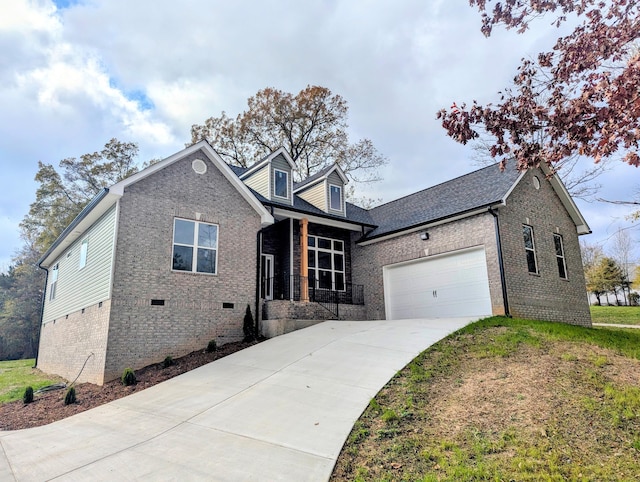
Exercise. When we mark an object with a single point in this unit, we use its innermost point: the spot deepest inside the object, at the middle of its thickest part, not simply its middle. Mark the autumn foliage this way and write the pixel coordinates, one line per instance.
(580, 99)
(311, 125)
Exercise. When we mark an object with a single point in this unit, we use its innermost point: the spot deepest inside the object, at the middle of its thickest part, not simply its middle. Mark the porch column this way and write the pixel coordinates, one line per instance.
(304, 260)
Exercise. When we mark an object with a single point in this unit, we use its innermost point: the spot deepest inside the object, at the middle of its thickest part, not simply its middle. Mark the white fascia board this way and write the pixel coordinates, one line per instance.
(216, 160)
(285, 154)
(317, 219)
(265, 216)
(267, 160)
(424, 226)
(310, 185)
(255, 168)
(343, 176)
(117, 191)
(87, 221)
(324, 178)
(119, 187)
(513, 186)
(567, 201)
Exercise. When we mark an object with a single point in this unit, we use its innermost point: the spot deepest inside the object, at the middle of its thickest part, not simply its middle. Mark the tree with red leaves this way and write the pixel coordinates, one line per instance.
(580, 99)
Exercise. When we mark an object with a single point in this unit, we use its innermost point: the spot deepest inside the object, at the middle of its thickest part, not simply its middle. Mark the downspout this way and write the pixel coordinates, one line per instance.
(258, 268)
(44, 297)
(503, 281)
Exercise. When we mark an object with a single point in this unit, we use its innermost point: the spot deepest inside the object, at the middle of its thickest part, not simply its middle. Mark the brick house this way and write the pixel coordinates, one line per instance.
(169, 258)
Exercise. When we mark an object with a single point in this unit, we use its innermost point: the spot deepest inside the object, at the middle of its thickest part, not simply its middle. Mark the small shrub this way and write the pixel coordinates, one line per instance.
(28, 395)
(248, 327)
(212, 346)
(128, 377)
(70, 397)
(167, 362)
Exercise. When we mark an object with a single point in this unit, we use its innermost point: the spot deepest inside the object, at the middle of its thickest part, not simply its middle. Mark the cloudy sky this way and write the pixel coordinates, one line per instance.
(76, 73)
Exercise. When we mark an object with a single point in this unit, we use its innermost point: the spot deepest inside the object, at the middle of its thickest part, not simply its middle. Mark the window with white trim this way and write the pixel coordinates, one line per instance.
(84, 249)
(281, 183)
(530, 249)
(562, 264)
(195, 246)
(326, 263)
(335, 197)
(54, 283)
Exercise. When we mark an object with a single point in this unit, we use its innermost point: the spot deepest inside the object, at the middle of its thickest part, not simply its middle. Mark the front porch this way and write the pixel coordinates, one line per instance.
(305, 275)
(298, 302)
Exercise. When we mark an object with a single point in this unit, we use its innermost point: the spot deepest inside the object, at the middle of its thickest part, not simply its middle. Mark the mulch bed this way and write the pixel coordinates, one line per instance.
(49, 406)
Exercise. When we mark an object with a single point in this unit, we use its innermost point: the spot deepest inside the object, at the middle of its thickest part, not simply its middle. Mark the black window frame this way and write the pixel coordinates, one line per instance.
(561, 259)
(332, 253)
(530, 251)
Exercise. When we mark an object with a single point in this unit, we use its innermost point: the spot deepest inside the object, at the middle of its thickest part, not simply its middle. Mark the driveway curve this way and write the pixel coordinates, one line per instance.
(280, 410)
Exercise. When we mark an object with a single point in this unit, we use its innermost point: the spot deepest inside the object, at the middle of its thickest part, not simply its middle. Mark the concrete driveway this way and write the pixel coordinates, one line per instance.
(280, 410)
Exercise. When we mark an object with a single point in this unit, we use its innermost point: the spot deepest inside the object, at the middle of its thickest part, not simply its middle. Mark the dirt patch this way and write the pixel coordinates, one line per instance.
(465, 413)
(504, 390)
(49, 407)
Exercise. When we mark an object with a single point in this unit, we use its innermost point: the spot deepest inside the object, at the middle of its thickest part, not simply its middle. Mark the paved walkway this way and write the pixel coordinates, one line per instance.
(280, 410)
(614, 325)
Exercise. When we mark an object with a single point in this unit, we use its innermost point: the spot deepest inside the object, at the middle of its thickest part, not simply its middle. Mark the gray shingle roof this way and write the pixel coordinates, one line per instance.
(237, 170)
(355, 214)
(311, 179)
(477, 189)
(472, 191)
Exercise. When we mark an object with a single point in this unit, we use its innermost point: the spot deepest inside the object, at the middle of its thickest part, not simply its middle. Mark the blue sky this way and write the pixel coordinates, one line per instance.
(78, 73)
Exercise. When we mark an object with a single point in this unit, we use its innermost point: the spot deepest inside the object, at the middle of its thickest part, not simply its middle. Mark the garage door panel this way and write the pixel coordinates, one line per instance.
(447, 286)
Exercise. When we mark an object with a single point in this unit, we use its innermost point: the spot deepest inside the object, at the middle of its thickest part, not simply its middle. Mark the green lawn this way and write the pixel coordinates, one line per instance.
(506, 399)
(16, 375)
(622, 315)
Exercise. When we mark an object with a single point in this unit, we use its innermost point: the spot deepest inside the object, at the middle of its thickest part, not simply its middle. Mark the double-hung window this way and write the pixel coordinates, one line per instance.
(195, 246)
(335, 197)
(54, 283)
(281, 183)
(530, 249)
(562, 264)
(326, 263)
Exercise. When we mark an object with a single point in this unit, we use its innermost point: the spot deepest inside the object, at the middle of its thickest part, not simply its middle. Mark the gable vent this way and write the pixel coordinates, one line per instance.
(199, 166)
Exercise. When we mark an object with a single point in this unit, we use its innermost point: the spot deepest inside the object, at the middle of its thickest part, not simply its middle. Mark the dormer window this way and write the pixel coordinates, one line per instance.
(281, 188)
(335, 197)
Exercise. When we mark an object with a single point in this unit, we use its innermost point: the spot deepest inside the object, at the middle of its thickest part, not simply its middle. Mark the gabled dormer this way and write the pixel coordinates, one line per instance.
(271, 177)
(325, 190)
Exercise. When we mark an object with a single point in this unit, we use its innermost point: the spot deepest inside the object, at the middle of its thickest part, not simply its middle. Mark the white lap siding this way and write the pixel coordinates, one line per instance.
(79, 288)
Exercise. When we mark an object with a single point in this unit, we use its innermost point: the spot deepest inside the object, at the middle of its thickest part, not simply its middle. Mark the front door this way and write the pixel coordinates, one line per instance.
(266, 276)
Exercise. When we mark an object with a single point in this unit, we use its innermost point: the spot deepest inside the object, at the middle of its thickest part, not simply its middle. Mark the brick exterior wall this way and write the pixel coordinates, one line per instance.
(300, 310)
(193, 313)
(473, 231)
(545, 296)
(67, 342)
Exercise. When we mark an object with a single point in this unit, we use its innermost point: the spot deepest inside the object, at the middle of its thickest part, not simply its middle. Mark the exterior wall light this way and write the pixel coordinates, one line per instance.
(424, 236)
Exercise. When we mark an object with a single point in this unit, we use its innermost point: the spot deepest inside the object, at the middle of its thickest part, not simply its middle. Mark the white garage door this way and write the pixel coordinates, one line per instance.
(450, 285)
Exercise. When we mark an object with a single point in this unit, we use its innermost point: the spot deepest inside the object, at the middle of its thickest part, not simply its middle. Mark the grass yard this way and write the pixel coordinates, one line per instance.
(622, 315)
(506, 399)
(16, 375)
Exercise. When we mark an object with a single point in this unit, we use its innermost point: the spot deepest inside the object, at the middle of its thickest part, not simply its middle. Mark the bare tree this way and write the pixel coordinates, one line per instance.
(622, 249)
(311, 125)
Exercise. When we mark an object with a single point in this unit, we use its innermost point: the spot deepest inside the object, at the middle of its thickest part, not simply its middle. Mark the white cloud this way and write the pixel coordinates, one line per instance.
(72, 77)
